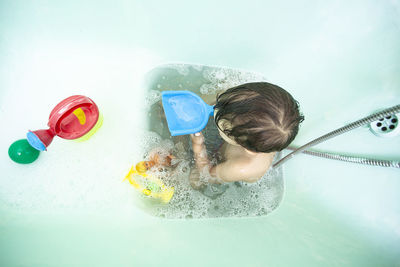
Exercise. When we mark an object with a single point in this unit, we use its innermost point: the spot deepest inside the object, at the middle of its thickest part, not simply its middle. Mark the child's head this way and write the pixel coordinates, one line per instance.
(261, 117)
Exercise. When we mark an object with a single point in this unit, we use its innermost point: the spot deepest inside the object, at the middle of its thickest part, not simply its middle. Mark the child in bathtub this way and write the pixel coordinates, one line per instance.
(255, 120)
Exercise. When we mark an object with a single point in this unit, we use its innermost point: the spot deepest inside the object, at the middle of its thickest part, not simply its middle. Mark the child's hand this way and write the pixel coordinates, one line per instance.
(198, 145)
(199, 151)
(197, 138)
(194, 179)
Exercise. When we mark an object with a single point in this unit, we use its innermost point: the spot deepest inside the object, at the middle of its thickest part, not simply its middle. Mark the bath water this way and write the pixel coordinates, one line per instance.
(227, 200)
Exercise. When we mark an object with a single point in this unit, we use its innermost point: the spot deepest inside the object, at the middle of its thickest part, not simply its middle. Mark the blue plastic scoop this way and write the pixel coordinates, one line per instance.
(185, 111)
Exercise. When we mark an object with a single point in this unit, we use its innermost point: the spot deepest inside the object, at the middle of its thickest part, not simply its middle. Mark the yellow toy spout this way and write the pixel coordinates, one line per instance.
(149, 185)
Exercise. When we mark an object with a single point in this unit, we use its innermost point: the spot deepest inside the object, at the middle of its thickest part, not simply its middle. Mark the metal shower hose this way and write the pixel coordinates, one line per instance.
(361, 160)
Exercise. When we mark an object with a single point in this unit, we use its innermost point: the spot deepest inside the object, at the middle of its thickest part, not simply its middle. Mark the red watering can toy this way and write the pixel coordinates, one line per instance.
(72, 118)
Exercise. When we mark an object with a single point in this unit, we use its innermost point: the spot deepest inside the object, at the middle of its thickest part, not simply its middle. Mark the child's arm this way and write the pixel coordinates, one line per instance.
(201, 158)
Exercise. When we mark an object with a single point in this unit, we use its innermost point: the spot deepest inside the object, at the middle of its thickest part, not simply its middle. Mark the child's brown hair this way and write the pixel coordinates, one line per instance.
(260, 116)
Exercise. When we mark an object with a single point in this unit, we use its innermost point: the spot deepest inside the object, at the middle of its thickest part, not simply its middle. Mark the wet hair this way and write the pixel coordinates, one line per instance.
(260, 116)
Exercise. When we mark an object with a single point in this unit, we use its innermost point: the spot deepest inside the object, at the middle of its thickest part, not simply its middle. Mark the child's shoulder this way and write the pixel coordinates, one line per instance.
(256, 166)
(246, 169)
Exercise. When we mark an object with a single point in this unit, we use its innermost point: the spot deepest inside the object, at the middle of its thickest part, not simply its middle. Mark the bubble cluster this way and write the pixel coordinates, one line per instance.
(152, 97)
(237, 199)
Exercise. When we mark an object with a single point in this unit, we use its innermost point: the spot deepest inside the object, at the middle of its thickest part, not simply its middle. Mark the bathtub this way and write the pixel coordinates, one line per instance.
(339, 59)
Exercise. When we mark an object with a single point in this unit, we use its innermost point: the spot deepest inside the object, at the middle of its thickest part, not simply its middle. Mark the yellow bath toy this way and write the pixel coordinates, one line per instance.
(148, 185)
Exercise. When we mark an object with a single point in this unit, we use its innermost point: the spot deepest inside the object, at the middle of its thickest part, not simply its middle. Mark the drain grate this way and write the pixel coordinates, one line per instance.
(386, 126)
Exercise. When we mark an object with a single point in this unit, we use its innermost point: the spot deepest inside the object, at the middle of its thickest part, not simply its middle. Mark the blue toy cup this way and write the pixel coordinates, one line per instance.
(185, 111)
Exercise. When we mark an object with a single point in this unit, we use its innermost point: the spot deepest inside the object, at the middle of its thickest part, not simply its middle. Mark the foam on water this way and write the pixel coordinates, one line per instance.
(153, 97)
(239, 199)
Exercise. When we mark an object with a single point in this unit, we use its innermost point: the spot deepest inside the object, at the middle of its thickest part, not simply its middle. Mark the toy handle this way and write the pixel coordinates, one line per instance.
(210, 110)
